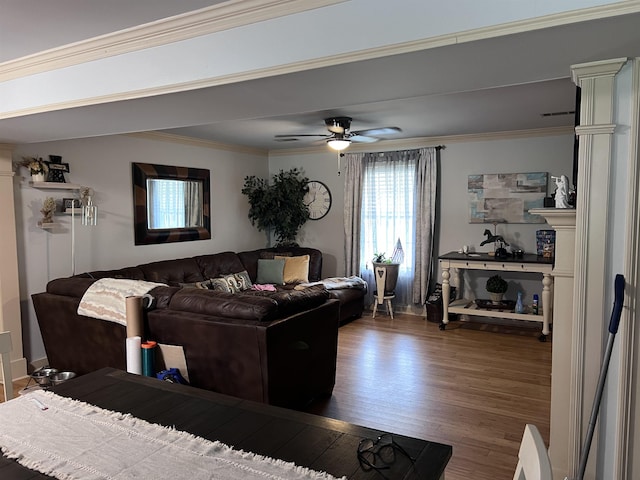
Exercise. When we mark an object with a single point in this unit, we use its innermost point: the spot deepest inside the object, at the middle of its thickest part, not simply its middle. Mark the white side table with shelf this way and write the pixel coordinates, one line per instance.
(529, 263)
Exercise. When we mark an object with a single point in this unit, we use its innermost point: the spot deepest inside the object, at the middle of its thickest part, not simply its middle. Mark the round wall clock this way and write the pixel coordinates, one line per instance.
(318, 199)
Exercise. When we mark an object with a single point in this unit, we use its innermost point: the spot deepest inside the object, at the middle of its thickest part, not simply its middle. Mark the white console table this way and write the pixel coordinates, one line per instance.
(529, 263)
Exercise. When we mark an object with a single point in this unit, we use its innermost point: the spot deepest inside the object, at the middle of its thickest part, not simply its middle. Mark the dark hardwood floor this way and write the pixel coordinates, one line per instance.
(473, 386)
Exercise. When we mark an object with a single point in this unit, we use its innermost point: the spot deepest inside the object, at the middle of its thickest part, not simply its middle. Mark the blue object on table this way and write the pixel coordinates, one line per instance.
(519, 306)
(149, 359)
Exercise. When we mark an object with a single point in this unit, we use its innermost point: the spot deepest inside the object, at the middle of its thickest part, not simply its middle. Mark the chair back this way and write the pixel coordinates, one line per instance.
(5, 357)
(533, 459)
(381, 279)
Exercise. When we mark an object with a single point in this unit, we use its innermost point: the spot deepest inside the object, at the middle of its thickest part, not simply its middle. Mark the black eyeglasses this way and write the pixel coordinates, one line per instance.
(380, 453)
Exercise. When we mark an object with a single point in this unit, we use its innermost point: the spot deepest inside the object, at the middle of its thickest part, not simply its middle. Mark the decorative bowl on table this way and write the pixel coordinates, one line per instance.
(43, 375)
(58, 378)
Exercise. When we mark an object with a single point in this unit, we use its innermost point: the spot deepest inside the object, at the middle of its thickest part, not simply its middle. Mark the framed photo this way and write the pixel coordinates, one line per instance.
(69, 203)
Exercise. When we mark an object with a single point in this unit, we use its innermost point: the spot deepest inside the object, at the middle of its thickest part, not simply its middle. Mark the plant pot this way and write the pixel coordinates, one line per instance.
(37, 177)
(496, 297)
(392, 275)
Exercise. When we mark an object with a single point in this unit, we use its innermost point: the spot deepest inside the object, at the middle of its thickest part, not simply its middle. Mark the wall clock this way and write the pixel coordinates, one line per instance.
(318, 199)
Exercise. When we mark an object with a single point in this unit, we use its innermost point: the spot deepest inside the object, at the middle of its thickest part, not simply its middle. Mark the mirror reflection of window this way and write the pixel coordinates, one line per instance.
(174, 204)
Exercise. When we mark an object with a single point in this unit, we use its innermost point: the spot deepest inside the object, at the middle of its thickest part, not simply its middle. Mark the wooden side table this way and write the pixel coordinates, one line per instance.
(529, 263)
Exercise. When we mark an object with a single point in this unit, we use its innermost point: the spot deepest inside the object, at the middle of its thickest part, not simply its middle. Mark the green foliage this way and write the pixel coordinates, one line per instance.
(380, 258)
(278, 206)
(496, 284)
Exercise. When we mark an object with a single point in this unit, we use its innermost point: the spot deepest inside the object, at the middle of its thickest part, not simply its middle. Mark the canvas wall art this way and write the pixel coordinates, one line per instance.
(506, 197)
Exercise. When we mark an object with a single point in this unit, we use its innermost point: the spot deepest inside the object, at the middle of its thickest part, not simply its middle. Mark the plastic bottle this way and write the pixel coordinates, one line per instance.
(519, 306)
(148, 358)
(535, 304)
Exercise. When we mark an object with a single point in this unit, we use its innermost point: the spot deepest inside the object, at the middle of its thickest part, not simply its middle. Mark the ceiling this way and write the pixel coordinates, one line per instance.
(493, 85)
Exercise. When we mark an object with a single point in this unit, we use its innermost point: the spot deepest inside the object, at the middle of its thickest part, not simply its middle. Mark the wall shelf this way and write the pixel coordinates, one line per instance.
(55, 186)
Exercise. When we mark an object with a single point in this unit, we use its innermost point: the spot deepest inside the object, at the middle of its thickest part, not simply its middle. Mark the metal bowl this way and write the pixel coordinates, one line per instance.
(58, 378)
(42, 376)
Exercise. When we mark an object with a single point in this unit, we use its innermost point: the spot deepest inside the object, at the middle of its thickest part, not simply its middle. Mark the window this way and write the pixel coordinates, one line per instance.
(172, 202)
(388, 214)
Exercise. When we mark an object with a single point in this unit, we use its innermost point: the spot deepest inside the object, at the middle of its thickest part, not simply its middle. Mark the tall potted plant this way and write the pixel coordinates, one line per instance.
(278, 206)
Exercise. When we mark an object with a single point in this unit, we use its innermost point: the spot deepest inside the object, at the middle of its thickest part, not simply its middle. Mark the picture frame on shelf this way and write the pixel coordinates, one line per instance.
(70, 203)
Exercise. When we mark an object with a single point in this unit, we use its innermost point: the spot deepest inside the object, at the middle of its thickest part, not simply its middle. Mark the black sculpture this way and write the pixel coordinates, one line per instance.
(492, 238)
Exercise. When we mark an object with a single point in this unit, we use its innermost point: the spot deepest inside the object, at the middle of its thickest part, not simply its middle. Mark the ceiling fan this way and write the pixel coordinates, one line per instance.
(340, 137)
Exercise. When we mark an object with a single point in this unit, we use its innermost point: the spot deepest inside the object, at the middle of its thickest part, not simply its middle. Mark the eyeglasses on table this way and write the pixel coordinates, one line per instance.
(379, 454)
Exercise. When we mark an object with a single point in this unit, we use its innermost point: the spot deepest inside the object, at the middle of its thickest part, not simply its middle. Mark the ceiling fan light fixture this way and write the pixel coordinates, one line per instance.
(338, 144)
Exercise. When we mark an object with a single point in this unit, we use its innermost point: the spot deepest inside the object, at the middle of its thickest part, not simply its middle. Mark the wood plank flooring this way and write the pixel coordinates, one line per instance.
(473, 386)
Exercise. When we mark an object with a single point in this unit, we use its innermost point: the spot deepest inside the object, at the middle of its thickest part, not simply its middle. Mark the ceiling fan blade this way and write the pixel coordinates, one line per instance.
(363, 139)
(302, 135)
(378, 131)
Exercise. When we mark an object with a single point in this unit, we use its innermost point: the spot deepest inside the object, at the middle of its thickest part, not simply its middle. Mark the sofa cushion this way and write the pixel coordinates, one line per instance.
(205, 284)
(250, 259)
(220, 285)
(132, 273)
(270, 271)
(296, 269)
(172, 272)
(219, 264)
(221, 304)
(290, 301)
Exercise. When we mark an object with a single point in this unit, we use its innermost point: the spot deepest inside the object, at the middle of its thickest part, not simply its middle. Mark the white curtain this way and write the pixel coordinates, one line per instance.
(391, 196)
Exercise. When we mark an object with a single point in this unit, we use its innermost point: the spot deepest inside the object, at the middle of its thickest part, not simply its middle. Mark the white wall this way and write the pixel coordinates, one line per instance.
(552, 154)
(104, 164)
(326, 234)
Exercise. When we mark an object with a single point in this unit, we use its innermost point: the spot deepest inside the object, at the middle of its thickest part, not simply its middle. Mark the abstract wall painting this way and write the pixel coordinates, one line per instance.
(506, 197)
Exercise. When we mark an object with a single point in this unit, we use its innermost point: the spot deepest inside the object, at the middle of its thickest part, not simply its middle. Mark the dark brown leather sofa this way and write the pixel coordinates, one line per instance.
(273, 347)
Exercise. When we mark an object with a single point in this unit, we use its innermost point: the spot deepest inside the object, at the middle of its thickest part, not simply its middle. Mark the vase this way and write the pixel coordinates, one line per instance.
(37, 177)
(496, 298)
(392, 275)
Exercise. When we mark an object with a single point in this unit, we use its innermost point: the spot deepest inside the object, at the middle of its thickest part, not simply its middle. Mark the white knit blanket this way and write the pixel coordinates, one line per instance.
(106, 298)
(68, 439)
(333, 283)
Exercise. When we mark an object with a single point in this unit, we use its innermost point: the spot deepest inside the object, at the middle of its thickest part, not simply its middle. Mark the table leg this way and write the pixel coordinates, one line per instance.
(547, 305)
(445, 297)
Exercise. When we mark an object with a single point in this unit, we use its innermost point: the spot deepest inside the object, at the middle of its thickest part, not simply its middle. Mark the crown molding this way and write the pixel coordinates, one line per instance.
(204, 21)
(599, 69)
(243, 12)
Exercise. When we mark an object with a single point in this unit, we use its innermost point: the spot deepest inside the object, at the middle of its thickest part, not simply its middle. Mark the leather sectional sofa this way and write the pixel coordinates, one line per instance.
(276, 347)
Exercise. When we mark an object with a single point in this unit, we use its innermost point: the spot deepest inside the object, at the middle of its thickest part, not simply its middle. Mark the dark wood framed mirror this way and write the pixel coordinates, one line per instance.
(170, 204)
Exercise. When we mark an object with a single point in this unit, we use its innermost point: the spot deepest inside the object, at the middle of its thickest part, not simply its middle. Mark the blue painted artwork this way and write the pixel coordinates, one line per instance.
(506, 197)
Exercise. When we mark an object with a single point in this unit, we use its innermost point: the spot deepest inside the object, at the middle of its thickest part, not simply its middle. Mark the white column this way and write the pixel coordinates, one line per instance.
(9, 285)
(593, 211)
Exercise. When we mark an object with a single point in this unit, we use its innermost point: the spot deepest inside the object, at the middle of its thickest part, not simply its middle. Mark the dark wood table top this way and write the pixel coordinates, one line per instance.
(485, 257)
(312, 441)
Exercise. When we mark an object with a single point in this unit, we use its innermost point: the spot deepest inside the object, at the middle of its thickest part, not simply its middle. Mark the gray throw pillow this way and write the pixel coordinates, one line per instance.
(220, 285)
(270, 271)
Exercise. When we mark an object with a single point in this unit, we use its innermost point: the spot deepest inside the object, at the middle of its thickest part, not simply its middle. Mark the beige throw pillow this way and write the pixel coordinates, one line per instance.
(296, 269)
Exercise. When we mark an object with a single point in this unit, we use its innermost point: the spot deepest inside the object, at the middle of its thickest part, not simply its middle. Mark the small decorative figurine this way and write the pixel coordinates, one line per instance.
(562, 191)
(498, 243)
(47, 210)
